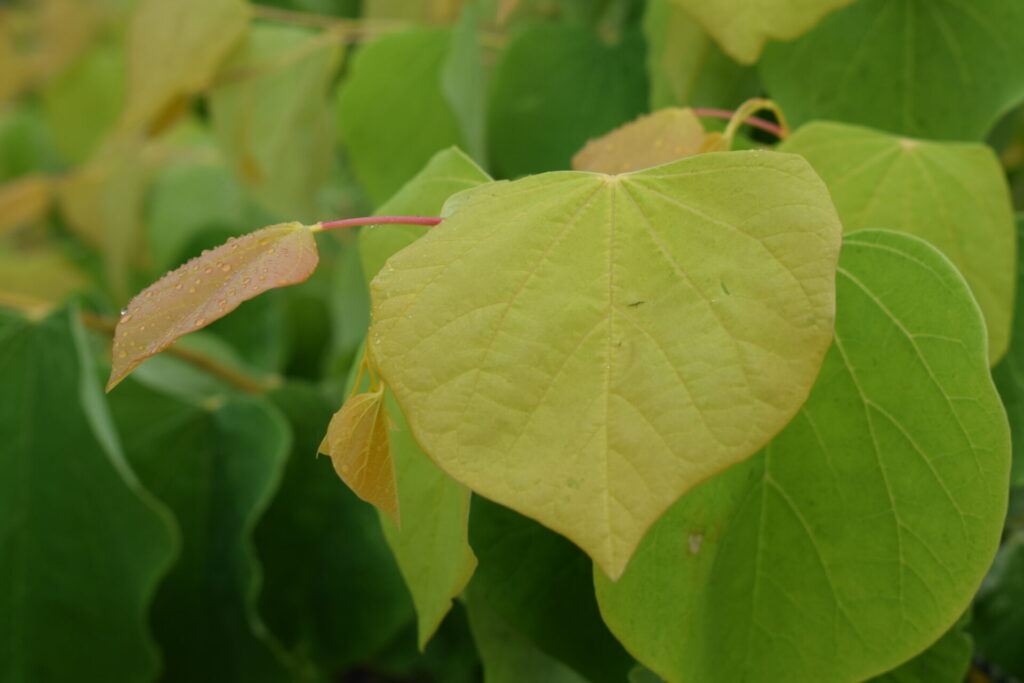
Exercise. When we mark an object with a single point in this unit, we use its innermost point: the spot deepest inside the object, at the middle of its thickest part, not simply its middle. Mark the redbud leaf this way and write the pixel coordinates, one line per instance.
(650, 140)
(209, 287)
(359, 446)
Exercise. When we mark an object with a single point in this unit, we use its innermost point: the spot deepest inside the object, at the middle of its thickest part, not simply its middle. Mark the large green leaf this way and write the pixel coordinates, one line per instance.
(541, 588)
(431, 545)
(331, 592)
(392, 111)
(82, 544)
(686, 67)
(998, 619)
(274, 122)
(940, 69)
(742, 28)
(952, 194)
(860, 533)
(1009, 374)
(216, 465)
(533, 339)
(558, 85)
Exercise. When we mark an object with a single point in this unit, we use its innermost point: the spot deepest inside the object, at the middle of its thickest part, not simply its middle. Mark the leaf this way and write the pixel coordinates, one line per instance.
(945, 661)
(742, 30)
(331, 591)
(217, 466)
(42, 273)
(1009, 373)
(559, 384)
(507, 656)
(447, 172)
(274, 122)
(358, 445)
(935, 70)
(541, 587)
(23, 200)
(557, 86)
(432, 546)
(859, 534)
(185, 201)
(464, 81)
(952, 194)
(102, 202)
(174, 51)
(82, 104)
(209, 287)
(651, 140)
(998, 620)
(686, 67)
(78, 534)
(393, 114)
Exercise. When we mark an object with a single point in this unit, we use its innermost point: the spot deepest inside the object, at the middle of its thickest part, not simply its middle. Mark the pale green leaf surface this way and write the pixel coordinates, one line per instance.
(941, 69)
(686, 67)
(186, 200)
(229, 454)
(945, 661)
(393, 114)
(449, 171)
(464, 81)
(1009, 373)
(274, 122)
(432, 545)
(557, 86)
(66, 495)
(742, 27)
(508, 656)
(82, 103)
(953, 195)
(998, 621)
(174, 50)
(860, 533)
(532, 338)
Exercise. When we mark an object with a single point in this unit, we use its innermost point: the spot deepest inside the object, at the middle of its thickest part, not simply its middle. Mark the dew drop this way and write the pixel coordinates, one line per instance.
(226, 267)
(191, 290)
(178, 286)
(246, 280)
(123, 354)
(270, 251)
(200, 322)
(149, 295)
(222, 303)
(124, 311)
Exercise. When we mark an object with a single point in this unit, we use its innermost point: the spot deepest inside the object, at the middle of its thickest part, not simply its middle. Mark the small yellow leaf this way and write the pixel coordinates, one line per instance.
(209, 287)
(359, 446)
(23, 200)
(651, 140)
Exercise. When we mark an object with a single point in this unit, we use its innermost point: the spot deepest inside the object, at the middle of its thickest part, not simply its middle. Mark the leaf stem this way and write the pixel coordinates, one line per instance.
(775, 129)
(377, 220)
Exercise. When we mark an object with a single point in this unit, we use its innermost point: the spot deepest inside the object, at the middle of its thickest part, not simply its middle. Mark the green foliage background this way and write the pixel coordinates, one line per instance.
(181, 529)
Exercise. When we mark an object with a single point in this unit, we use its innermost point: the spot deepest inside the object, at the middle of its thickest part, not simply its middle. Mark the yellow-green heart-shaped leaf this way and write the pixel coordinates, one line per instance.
(585, 348)
(209, 287)
(952, 194)
(651, 140)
